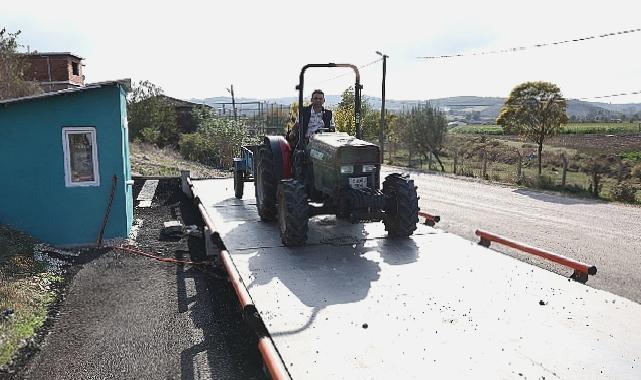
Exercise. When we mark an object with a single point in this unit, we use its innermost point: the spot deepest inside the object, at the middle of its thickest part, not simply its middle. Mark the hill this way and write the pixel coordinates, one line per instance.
(488, 107)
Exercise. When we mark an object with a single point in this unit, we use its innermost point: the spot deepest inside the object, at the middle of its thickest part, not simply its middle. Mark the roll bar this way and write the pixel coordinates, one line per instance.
(357, 99)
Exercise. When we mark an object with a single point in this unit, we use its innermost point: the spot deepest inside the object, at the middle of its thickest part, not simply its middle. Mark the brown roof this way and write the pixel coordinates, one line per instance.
(126, 83)
(53, 54)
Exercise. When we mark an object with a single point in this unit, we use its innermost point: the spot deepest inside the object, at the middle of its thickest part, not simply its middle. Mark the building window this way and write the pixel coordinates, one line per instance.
(81, 156)
(75, 68)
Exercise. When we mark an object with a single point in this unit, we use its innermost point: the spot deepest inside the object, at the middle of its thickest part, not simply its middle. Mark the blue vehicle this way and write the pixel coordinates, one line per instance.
(244, 168)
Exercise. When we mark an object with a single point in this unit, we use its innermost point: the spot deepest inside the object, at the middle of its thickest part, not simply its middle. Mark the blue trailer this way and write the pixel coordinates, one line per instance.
(244, 168)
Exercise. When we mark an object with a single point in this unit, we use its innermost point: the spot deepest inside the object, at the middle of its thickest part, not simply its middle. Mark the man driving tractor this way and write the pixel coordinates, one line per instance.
(315, 117)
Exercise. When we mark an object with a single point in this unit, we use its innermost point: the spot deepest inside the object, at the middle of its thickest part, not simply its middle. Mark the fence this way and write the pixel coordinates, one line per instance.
(261, 118)
(560, 171)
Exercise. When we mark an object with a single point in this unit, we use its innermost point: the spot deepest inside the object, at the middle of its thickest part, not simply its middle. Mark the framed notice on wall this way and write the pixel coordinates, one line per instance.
(80, 156)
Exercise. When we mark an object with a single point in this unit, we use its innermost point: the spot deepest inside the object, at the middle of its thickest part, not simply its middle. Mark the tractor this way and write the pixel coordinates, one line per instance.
(329, 173)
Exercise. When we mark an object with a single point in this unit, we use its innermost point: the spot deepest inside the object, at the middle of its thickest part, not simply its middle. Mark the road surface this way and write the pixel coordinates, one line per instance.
(599, 233)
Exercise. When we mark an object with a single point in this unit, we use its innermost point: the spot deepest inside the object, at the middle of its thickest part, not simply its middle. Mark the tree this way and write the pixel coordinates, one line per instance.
(534, 110)
(12, 67)
(216, 142)
(151, 117)
(344, 116)
(426, 128)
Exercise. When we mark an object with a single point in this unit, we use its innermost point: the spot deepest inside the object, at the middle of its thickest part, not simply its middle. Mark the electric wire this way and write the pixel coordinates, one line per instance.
(344, 74)
(521, 48)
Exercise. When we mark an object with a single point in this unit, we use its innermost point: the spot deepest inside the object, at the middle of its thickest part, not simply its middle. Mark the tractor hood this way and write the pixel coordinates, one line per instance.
(342, 148)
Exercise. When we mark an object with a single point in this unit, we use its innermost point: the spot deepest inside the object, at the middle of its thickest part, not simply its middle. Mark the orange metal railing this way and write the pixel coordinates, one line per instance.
(430, 219)
(581, 270)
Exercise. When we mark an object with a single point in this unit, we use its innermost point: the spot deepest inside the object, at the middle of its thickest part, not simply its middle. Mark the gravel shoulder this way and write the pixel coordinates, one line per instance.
(595, 232)
(131, 317)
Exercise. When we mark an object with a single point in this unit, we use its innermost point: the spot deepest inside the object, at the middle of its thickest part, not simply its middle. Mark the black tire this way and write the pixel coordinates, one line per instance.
(401, 205)
(293, 212)
(239, 183)
(266, 185)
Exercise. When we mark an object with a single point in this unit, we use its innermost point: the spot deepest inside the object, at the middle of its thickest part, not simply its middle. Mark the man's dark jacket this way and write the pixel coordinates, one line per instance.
(307, 114)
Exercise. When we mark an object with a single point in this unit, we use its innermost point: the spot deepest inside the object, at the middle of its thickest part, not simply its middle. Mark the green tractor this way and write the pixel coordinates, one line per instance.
(329, 173)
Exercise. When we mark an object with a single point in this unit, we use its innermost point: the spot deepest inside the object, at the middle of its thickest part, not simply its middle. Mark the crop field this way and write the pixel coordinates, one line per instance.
(502, 160)
(568, 129)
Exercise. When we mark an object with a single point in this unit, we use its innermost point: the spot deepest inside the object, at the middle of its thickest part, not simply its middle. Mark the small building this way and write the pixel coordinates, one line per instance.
(184, 113)
(64, 161)
(457, 123)
(54, 71)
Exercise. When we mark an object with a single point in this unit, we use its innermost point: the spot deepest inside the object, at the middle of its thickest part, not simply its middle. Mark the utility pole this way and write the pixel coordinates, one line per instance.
(381, 134)
(233, 101)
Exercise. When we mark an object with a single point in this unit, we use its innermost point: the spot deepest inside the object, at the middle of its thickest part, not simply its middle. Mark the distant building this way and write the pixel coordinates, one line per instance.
(184, 113)
(54, 71)
(64, 159)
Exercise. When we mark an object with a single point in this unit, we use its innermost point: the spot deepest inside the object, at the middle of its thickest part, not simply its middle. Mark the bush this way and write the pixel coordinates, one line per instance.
(636, 171)
(216, 142)
(196, 147)
(624, 192)
(541, 182)
(632, 156)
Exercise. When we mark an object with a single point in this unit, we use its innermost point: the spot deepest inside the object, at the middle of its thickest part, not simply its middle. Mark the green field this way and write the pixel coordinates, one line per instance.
(568, 129)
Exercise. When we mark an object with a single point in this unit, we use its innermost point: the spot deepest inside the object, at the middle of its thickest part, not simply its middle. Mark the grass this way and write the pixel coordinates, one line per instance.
(148, 160)
(25, 289)
(504, 169)
(568, 129)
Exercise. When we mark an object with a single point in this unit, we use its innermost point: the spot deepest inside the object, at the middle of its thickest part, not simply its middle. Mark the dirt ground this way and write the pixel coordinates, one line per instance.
(599, 143)
(124, 316)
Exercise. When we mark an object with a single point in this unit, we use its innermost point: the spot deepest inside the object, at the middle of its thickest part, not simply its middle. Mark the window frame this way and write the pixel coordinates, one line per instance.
(66, 131)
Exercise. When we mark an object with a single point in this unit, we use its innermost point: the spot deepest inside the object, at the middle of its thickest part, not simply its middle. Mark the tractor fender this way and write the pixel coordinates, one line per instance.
(282, 154)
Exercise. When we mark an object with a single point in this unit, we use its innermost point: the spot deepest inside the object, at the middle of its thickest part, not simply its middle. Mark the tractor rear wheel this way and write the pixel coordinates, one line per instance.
(266, 185)
(239, 183)
(401, 205)
(293, 212)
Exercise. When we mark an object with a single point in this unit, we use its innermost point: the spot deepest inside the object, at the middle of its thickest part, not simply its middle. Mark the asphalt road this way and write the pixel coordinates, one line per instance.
(604, 234)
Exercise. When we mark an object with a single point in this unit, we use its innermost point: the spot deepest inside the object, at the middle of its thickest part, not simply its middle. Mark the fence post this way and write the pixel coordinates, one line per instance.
(565, 168)
(620, 174)
(455, 160)
(484, 172)
(519, 166)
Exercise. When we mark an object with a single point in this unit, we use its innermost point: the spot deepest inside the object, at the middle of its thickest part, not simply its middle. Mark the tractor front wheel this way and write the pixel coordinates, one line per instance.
(401, 205)
(293, 212)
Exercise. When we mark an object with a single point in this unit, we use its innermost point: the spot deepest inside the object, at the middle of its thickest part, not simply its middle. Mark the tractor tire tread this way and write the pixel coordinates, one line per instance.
(265, 168)
(294, 212)
(401, 205)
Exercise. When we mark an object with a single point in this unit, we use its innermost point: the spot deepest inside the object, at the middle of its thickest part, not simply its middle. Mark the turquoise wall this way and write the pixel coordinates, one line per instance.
(33, 195)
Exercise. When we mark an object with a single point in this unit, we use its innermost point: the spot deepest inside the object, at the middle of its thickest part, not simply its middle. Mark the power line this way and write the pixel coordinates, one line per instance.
(342, 75)
(521, 48)
(609, 96)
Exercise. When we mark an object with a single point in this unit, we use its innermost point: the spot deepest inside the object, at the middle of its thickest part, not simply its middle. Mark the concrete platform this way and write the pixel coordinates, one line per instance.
(353, 304)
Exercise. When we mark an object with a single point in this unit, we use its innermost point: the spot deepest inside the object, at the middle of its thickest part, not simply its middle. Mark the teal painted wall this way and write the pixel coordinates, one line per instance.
(33, 195)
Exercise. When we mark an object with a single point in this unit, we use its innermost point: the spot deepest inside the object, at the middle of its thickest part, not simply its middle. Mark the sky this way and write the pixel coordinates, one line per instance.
(197, 49)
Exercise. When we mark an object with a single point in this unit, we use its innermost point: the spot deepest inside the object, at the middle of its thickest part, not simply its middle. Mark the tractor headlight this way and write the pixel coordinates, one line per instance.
(368, 168)
(347, 169)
